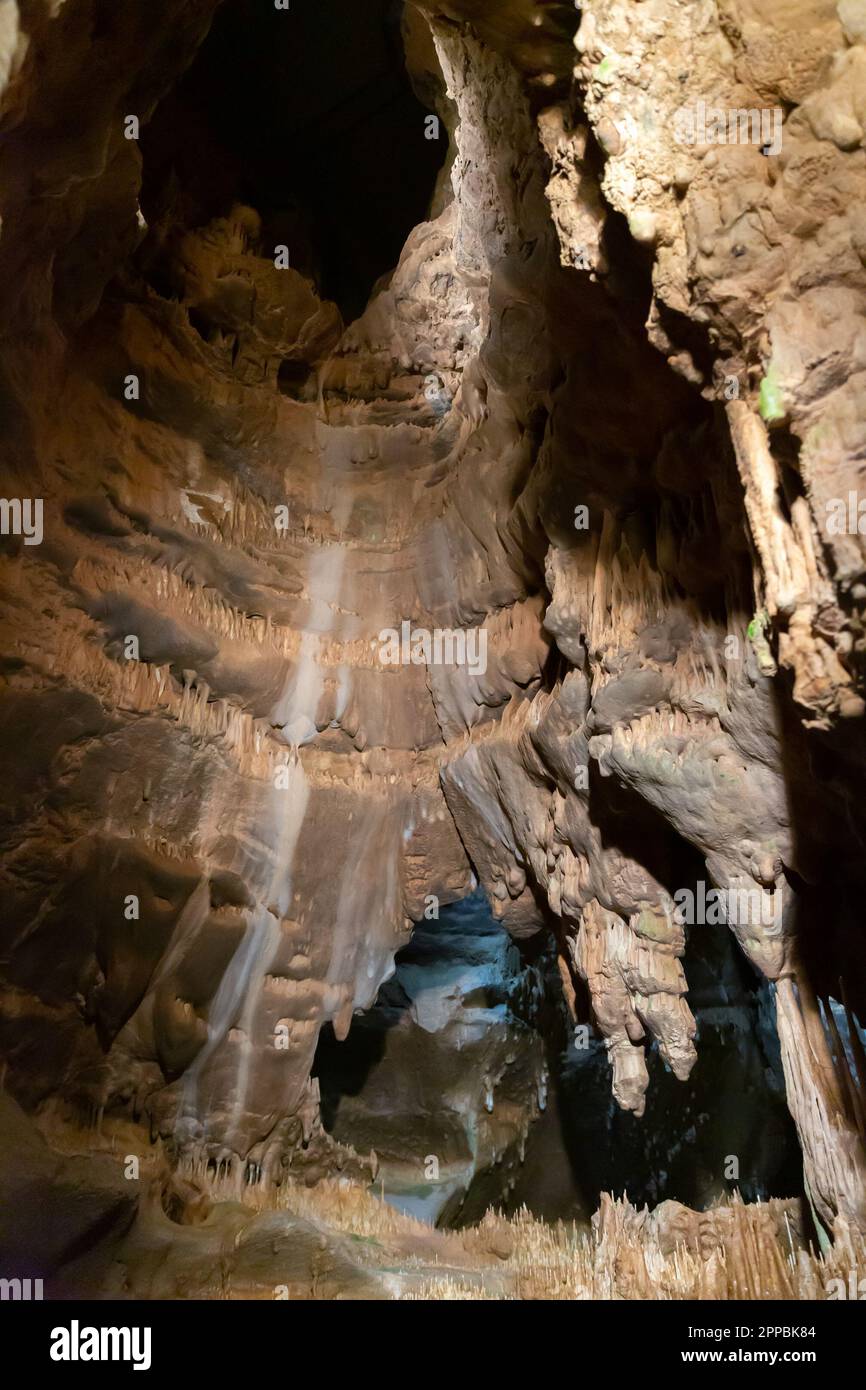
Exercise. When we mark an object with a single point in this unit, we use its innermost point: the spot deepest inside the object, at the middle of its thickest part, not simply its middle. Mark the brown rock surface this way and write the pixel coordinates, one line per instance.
(600, 412)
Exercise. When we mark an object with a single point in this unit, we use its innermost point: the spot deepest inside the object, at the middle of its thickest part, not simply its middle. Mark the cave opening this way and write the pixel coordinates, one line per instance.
(440, 1077)
(309, 117)
(476, 1088)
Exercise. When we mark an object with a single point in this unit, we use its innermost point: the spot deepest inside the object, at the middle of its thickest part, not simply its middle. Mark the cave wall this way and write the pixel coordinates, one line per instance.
(216, 838)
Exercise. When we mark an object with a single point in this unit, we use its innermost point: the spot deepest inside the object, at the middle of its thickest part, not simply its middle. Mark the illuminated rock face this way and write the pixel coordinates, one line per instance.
(586, 443)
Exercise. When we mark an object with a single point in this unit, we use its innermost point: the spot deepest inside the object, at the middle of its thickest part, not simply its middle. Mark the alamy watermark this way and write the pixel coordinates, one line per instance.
(711, 125)
(840, 1289)
(77, 1343)
(738, 907)
(420, 646)
(21, 1290)
(22, 516)
(846, 516)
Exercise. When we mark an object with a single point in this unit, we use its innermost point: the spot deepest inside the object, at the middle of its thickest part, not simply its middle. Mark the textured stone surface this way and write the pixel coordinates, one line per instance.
(531, 429)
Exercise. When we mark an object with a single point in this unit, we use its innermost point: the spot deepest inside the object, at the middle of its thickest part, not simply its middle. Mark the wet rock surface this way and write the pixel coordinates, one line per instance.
(601, 412)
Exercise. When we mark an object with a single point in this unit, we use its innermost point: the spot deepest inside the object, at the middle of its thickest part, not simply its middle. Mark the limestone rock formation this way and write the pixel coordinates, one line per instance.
(545, 571)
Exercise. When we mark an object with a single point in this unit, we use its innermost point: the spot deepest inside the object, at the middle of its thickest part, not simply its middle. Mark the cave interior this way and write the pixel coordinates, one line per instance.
(431, 708)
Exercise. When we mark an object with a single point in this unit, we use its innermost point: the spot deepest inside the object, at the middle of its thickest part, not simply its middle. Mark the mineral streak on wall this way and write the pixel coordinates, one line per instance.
(604, 402)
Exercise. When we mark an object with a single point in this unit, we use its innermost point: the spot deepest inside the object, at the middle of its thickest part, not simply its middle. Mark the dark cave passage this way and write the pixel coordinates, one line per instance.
(471, 1037)
(440, 1077)
(309, 117)
(726, 1128)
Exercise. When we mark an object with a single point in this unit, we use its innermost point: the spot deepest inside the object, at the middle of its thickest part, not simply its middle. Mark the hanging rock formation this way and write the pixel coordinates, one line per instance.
(595, 427)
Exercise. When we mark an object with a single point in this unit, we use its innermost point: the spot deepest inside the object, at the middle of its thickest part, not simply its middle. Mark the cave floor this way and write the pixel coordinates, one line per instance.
(340, 1241)
(98, 1226)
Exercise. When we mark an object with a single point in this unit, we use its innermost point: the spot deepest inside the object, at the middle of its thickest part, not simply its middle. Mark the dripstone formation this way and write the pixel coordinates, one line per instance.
(604, 423)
